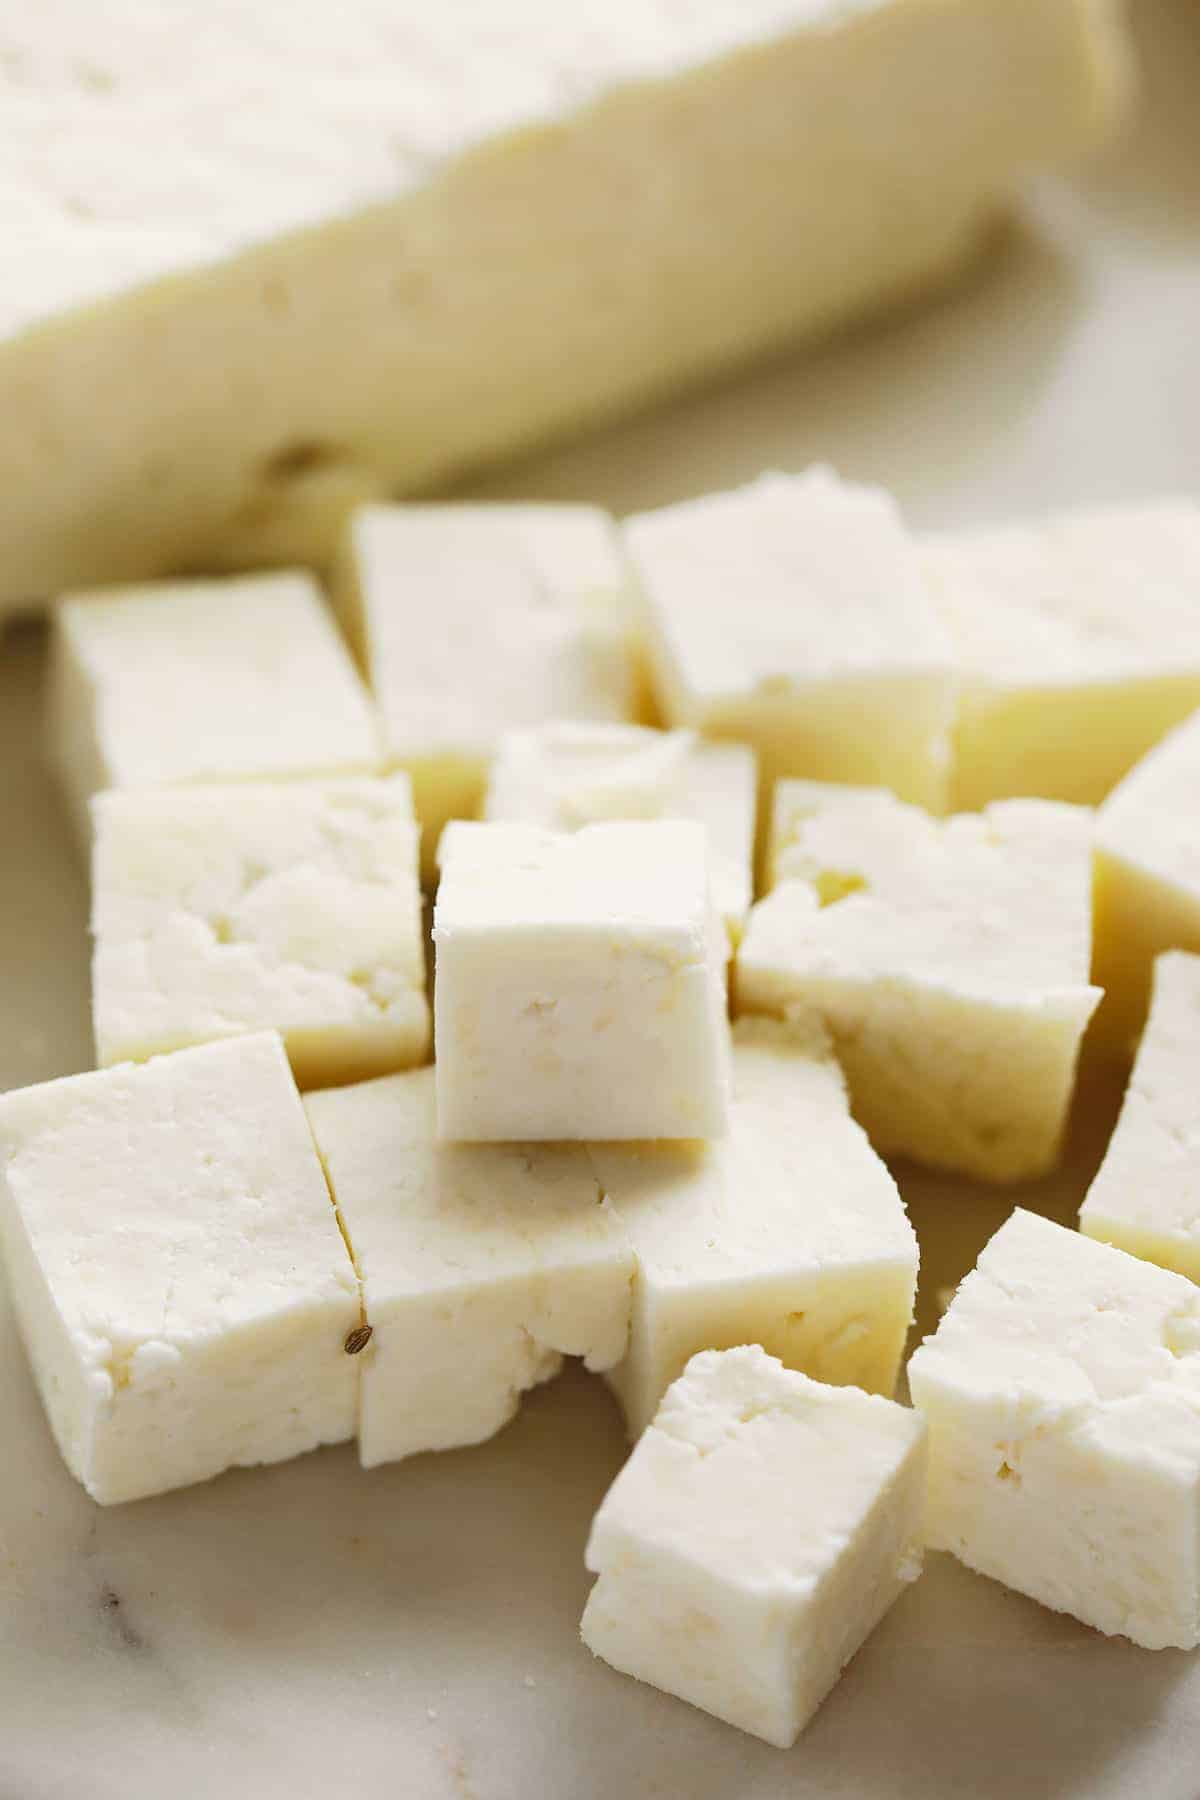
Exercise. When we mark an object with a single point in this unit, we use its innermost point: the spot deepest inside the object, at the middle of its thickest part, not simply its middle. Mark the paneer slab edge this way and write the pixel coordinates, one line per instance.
(314, 291)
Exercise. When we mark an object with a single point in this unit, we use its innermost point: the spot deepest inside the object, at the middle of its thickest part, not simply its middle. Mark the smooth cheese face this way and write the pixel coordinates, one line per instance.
(789, 1232)
(792, 615)
(758, 1533)
(384, 242)
(482, 1265)
(476, 620)
(175, 1262)
(566, 775)
(294, 907)
(1147, 878)
(1062, 1392)
(948, 959)
(580, 987)
(203, 681)
(1078, 643)
(1146, 1196)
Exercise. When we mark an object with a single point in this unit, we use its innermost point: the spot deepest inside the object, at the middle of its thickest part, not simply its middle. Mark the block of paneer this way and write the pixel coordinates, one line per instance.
(176, 1266)
(758, 1533)
(793, 615)
(789, 1232)
(253, 906)
(1147, 878)
(482, 1265)
(1078, 645)
(580, 984)
(566, 775)
(1146, 1195)
(1062, 1393)
(473, 620)
(947, 958)
(224, 680)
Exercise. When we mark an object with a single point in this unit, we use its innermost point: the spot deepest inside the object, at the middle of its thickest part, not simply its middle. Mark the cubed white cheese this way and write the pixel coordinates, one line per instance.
(566, 775)
(948, 959)
(1146, 1196)
(349, 250)
(1147, 878)
(176, 1266)
(792, 615)
(580, 985)
(482, 1265)
(203, 681)
(246, 907)
(1062, 1392)
(473, 620)
(1078, 644)
(758, 1533)
(789, 1232)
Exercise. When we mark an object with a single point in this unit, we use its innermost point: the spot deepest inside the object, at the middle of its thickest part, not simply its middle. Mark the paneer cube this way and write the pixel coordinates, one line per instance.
(233, 680)
(482, 1265)
(1062, 1393)
(789, 1232)
(793, 616)
(580, 987)
(226, 909)
(758, 1533)
(176, 1266)
(948, 959)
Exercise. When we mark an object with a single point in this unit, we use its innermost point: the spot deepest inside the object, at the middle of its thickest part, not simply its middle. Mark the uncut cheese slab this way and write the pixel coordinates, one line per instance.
(264, 262)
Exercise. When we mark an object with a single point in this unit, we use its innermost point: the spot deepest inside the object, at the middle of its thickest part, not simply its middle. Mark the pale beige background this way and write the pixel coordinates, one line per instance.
(314, 1630)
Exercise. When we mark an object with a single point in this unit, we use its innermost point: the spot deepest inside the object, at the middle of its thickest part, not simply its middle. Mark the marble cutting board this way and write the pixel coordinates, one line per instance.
(316, 1630)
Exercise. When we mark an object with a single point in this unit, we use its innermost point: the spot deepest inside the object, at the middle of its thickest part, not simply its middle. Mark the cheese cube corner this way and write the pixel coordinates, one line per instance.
(1078, 645)
(221, 680)
(482, 1265)
(947, 958)
(254, 906)
(565, 775)
(473, 620)
(1147, 879)
(580, 984)
(179, 1278)
(760, 1530)
(1062, 1394)
(789, 1232)
(792, 615)
(1144, 1196)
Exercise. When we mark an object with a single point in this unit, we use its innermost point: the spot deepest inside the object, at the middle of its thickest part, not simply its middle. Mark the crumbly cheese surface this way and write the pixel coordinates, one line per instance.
(297, 907)
(176, 1266)
(482, 1265)
(565, 775)
(554, 641)
(1078, 641)
(1062, 1392)
(789, 1232)
(580, 984)
(759, 1531)
(948, 959)
(312, 233)
(792, 614)
(1147, 877)
(204, 681)
(1146, 1195)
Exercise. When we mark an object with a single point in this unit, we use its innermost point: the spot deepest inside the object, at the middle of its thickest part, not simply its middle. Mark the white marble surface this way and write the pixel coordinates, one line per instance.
(315, 1630)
